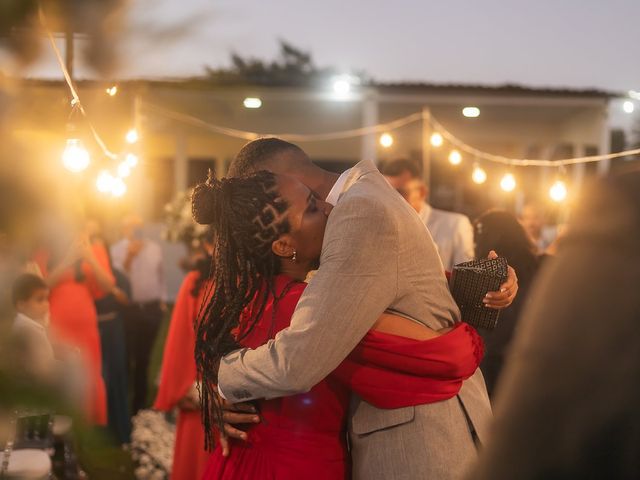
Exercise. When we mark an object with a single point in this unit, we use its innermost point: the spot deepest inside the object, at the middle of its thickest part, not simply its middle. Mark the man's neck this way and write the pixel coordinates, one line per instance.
(326, 183)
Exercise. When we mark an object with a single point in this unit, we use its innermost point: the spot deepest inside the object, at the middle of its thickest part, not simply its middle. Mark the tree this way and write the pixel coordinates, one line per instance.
(292, 67)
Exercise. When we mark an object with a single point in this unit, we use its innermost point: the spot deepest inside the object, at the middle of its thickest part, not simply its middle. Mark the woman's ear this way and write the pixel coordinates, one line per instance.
(283, 247)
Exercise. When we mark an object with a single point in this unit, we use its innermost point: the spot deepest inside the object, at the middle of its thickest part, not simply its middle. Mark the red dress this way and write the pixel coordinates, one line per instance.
(304, 436)
(177, 376)
(74, 320)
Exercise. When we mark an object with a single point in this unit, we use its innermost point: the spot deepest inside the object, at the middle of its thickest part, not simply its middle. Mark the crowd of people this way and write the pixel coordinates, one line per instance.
(316, 335)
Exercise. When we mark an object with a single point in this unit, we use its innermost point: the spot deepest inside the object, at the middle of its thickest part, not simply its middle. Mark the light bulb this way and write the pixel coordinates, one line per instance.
(252, 102)
(104, 182)
(341, 86)
(455, 158)
(111, 91)
(132, 136)
(118, 188)
(558, 191)
(436, 139)
(386, 140)
(131, 159)
(75, 157)
(508, 182)
(124, 169)
(471, 112)
(478, 176)
(628, 106)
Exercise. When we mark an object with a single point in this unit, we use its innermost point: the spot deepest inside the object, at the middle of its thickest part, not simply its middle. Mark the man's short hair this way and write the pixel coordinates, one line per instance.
(257, 153)
(25, 286)
(397, 167)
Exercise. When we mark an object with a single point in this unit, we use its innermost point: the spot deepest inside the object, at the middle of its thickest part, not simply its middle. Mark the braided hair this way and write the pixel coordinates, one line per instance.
(247, 215)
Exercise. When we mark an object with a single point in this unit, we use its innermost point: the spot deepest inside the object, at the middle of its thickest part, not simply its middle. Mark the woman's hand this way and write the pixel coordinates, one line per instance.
(508, 290)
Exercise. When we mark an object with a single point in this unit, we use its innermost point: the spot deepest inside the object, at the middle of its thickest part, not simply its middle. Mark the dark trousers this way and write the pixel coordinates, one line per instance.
(114, 372)
(141, 326)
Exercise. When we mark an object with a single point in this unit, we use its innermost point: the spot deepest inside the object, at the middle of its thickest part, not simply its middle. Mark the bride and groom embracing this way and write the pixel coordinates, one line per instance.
(372, 344)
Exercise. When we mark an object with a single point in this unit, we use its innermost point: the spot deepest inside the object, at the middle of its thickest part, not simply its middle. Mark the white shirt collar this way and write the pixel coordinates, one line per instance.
(335, 192)
(425, 212)
(22, 320)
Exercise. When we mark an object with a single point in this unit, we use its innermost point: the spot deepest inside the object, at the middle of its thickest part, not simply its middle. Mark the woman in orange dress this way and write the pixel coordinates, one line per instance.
(76, 280)
(178, 375)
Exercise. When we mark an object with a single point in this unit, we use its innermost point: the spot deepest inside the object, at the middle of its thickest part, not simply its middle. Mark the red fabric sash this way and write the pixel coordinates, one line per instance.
(389, 371)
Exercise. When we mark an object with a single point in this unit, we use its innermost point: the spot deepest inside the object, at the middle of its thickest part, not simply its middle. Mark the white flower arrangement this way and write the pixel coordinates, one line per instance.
(180, 226)
(152, 443)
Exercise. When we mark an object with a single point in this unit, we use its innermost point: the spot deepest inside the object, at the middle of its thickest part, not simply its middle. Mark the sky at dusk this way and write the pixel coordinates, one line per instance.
(558, 43)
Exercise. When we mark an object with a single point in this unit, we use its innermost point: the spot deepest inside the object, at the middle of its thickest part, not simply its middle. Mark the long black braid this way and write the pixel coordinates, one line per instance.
(247, 215)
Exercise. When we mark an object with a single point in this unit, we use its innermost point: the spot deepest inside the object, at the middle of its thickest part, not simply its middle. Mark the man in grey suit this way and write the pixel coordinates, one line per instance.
(377, 255)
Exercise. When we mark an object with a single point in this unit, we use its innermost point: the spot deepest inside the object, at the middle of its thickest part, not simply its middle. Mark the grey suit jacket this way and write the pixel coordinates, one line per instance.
(377, 255)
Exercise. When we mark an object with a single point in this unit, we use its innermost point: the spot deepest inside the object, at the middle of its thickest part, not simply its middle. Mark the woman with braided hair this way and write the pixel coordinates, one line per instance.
(268, 236)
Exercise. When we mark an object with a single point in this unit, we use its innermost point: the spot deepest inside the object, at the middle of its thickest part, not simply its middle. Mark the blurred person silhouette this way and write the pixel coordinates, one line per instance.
(567, 404)
(114, 355)
(78, 275)
(500, 231)
(532, 218)
(178, 374)
(140, 259)
(451, 232)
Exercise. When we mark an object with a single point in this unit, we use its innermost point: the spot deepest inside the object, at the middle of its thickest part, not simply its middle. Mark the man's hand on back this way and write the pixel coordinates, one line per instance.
(235, 415)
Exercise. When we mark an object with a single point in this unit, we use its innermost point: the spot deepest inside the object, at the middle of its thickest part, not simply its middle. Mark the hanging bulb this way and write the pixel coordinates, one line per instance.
(124, 169)
(508, 182)
(455, 158)
(558, 191)
(436, 139)
(75, 157)
(104, 182)
(118, 188)
(478, 176)
(132, 136)
(386, 140)
(131, 160)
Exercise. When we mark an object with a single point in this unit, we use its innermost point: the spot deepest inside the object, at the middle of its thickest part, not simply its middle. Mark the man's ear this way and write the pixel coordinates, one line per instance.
(283, 246)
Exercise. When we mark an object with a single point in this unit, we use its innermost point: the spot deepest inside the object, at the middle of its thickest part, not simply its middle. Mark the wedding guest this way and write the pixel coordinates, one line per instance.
(500, 231)
(178, 375)
(567, 405)
(532, 218)
(30, 297)
(140, 259)
(112, 340)
(77, 278)
(451, 232)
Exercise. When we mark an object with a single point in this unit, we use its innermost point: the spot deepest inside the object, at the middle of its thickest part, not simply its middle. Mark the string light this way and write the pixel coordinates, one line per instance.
(132, 136)
(471, 112)
(252, 102)
(478, 175)
(455, 158)
(558, 191)
(436, 139)
(508, 182)
(75, 157)
(386, 140)
(104, 182)
(131, 160)
(111, 91)
(124, 170)
(118, 188)
(342, 85)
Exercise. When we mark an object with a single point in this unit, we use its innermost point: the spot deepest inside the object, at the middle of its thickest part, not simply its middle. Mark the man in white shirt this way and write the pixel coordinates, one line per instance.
(451, 232)
(140, 259)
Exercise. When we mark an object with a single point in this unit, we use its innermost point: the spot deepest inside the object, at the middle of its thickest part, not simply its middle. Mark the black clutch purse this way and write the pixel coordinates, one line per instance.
(470, 282)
